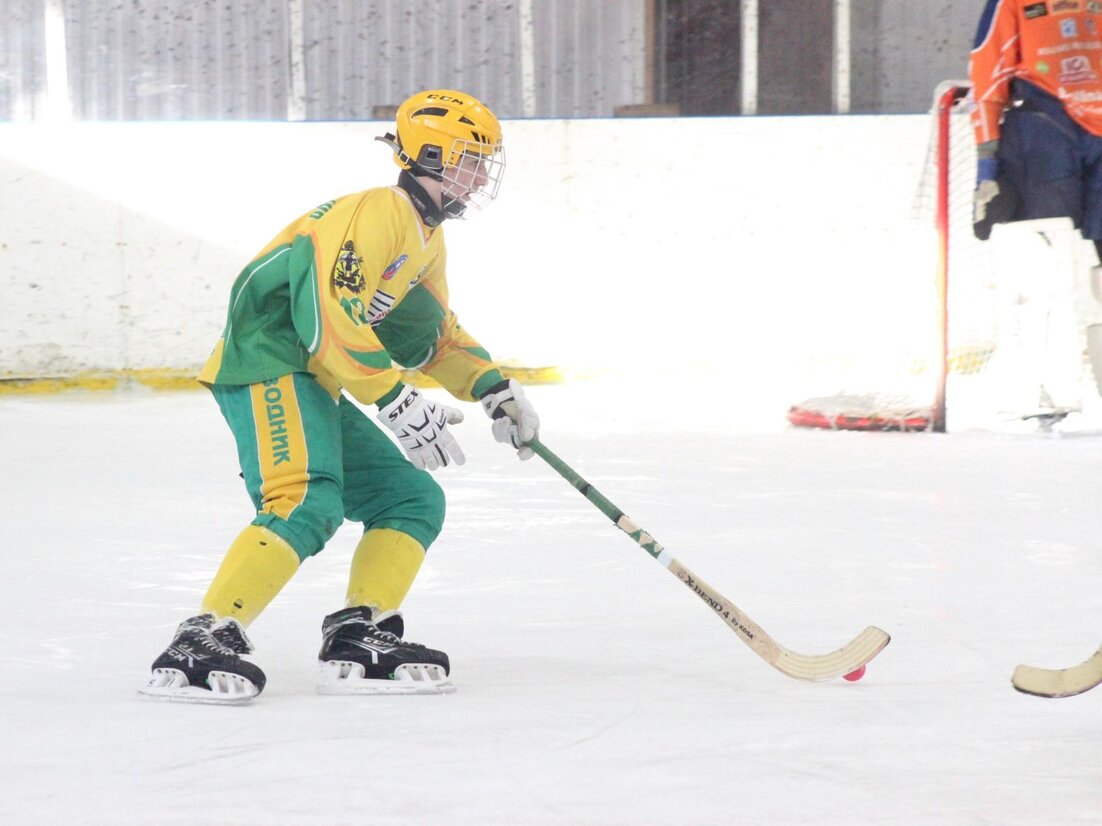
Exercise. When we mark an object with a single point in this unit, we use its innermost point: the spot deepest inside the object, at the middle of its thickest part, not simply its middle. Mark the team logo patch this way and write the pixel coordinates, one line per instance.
(395, 265)
(1068, 28)
(1094, 7)
(1076, 69)
(347, 273)
(1063, 6)
(1035, 10)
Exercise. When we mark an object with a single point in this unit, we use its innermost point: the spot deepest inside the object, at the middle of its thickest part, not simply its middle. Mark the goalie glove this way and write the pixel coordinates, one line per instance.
(514, 419)
(991, 203)
(422, 429)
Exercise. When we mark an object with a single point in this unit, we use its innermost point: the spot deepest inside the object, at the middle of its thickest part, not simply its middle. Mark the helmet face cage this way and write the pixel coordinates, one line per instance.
(472, 176)
(455, 139)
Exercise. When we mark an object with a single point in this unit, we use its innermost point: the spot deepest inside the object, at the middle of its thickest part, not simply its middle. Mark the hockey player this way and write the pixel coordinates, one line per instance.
(1036, 71)
(335, 301)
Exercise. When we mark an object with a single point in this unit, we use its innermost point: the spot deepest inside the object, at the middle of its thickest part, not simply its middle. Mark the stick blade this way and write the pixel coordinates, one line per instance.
(847, 659)
(1061, 682)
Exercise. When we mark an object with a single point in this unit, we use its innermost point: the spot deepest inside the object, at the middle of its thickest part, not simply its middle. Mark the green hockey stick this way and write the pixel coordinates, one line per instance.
(849, 660)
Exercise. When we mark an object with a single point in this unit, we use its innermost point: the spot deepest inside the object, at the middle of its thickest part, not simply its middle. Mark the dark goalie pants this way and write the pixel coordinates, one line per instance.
(1050, 164)
(310, 462)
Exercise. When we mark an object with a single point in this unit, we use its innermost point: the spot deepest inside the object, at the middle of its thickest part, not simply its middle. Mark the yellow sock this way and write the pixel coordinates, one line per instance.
(257, 565)
(383, 568)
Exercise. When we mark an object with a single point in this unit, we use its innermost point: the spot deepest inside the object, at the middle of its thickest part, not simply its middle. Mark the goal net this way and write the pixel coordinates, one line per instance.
(1001, 337)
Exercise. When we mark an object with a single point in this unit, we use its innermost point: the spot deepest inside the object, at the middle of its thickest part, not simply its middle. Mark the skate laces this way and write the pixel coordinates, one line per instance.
(218, 638)
(231, 634)
(392, 638)
(367, 630)
(387, 636)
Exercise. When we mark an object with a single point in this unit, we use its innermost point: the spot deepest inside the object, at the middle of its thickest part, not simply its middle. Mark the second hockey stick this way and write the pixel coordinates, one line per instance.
(1061, 682)
(815, 667)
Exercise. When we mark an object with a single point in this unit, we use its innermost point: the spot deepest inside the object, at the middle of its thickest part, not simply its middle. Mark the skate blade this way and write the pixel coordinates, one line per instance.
(343, 677)
(168, 684)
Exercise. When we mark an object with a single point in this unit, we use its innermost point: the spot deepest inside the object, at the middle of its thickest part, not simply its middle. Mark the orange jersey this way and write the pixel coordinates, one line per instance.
(1053, 44)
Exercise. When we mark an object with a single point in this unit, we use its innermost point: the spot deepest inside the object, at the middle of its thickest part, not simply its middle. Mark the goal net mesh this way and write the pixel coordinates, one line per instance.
(997, 333)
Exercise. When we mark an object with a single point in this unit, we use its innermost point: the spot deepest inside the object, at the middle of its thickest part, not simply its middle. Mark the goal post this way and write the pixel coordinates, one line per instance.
(948, 95)
(1006, 321)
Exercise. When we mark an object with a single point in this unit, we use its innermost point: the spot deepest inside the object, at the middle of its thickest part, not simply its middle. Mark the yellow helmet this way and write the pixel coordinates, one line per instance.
(454, 138)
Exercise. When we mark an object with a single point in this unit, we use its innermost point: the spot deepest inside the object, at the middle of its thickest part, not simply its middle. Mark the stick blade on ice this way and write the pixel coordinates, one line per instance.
(1062, 682)
(845, 660)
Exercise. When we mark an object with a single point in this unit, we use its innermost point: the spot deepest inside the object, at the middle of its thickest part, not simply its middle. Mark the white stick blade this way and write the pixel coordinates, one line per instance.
(848, 658)
(1063, 682)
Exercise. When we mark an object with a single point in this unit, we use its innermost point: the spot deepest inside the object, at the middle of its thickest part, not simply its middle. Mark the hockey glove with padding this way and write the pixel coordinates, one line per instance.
(422, 429)
(514, 419)
(993, 202)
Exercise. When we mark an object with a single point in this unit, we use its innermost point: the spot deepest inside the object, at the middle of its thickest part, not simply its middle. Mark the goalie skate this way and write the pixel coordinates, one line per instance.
(361, 655)
(203, 664)
(1046, 419)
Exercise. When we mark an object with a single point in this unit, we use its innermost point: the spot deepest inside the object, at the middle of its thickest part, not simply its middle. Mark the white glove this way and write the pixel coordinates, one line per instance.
(515, 420)
(422, 429)
(986, 192)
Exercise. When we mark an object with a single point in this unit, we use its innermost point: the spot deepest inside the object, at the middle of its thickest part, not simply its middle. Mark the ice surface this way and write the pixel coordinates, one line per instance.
(593, 689)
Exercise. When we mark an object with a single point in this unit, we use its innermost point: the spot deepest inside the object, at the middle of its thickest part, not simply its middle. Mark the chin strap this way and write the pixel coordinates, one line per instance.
(403, 156)
(430, 213)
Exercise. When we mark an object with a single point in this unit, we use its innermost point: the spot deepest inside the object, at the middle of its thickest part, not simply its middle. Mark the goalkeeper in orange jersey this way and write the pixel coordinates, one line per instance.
(331, 306)
(1036, 71)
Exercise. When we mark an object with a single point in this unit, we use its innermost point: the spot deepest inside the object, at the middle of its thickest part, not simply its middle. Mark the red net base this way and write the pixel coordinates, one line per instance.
(860, 413)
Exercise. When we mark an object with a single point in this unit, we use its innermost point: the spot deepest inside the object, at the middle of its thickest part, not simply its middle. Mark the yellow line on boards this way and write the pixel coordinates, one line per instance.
(167, 379)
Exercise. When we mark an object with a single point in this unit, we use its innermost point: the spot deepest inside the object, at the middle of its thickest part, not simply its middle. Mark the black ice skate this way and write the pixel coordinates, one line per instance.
(361, 655)
(203, 664)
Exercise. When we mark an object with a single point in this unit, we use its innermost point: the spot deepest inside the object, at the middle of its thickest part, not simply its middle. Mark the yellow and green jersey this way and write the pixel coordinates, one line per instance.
(347, 292)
